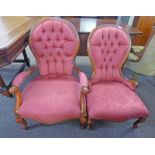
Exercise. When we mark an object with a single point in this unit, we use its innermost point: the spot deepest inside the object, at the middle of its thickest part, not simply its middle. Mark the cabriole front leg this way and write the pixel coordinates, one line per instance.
(21, 121)
(16, 91)
(83, 117)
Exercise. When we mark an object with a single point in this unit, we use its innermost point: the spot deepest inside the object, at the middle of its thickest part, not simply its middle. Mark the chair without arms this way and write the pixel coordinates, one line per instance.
(111, 96)
(56, 94)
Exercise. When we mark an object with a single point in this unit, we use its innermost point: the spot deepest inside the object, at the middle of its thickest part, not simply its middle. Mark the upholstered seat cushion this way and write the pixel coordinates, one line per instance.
(51, 99)
(113, 101)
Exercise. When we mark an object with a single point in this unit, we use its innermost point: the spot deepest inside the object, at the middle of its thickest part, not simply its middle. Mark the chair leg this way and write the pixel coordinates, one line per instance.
(83, 122)
(21, 121)
(89, 124)
(135, 124)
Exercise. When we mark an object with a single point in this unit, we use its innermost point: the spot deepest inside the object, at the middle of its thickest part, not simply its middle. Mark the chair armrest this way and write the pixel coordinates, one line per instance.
(132, 84)
(83, 79)
(15, 88)
(84, 89)
(20, 78)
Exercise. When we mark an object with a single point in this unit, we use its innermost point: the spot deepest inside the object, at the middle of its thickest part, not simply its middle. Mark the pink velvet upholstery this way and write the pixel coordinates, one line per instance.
(113, 101)
(111, 95)
(54, 44)
(109, 47)
(54, 96)
(21, 77)
(83, 79)
(51, 99)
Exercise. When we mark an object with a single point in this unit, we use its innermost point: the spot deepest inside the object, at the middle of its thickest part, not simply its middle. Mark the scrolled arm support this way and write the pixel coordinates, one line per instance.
(84, 91)
(15, 90)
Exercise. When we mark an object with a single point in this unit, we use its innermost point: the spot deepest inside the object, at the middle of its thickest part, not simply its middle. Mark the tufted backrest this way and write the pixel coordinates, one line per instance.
(55, 44)
(108, 48)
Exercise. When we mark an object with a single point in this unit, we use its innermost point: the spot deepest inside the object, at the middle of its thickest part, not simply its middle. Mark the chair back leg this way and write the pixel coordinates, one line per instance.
(140, 120)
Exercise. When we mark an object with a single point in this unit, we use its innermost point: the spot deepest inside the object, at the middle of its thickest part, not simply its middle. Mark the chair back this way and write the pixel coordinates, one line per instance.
(54, 43)
(108, 48)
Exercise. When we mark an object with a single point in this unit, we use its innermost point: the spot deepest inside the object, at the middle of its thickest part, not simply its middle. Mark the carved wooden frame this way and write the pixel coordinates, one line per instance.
(83, 104)
(16, 91)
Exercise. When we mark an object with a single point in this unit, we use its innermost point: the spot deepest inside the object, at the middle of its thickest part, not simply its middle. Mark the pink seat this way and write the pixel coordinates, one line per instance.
(113, 101)
(111, 96)
(56, 95)
(51, 99)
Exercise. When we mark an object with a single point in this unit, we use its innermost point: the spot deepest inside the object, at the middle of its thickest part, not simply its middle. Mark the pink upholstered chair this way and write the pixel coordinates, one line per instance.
(55, 95)
(111, 96)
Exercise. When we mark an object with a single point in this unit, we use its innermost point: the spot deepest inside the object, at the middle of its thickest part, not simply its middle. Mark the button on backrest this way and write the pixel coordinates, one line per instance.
(108, 52)
(48, 42)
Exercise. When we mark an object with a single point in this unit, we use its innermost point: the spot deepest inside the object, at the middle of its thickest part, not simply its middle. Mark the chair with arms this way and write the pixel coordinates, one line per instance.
(55, 95)
(111, 96)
